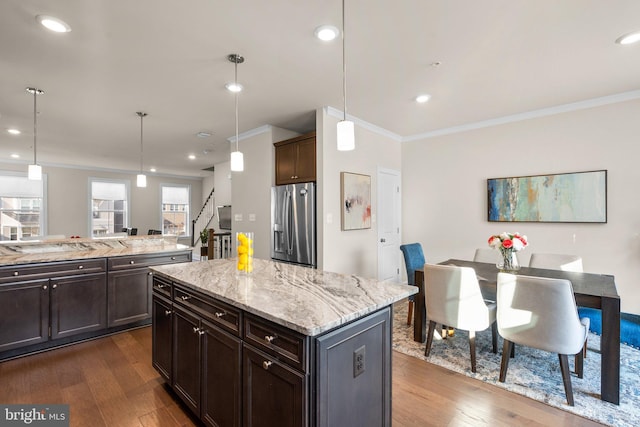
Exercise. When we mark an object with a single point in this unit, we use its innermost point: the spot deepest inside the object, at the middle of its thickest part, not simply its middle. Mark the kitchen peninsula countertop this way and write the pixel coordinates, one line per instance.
(303, 299)
(26, 252)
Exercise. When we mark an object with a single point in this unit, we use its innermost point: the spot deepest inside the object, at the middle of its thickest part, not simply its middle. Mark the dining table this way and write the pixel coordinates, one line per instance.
(590, 290)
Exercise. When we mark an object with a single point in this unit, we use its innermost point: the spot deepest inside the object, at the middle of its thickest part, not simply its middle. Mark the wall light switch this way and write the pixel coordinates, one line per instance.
(252, 217)
(237, 217)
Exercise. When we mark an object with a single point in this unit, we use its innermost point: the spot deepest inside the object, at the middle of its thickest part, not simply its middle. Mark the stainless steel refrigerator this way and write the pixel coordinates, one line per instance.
(293, 223)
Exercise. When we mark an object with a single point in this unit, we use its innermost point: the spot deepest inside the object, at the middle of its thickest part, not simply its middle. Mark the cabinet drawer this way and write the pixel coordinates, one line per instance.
(286, 345)
(135, 261)
(51, 269)
(162, 286)
(224, 315)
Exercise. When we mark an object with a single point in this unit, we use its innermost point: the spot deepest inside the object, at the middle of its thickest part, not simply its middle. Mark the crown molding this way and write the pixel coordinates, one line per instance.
(251, 132)
(333, 112)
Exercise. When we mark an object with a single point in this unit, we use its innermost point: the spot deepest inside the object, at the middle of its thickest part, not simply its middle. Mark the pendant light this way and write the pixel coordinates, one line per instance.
(345, 129)
(142, 178)
(237, 158)
(35, 170)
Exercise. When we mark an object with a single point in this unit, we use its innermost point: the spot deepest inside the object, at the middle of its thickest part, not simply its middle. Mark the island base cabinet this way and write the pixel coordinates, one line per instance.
(78, 304)
(186, 358)
(222, 378)
(161, 337)
(354, 381)
(24, 314)
(274, 394)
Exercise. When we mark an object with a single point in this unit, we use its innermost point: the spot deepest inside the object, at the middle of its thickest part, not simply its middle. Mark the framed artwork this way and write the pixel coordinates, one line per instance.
(566, 197)
(355, 194)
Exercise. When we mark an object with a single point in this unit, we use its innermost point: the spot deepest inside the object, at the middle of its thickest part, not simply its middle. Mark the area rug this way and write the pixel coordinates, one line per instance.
(534, 373)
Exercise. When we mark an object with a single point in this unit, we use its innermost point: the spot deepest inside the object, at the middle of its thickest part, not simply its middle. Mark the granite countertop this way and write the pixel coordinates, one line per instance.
(26, 252)
(303, 299)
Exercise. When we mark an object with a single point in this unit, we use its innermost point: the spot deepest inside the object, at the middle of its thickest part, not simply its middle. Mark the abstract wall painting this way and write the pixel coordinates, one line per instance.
(355, 194)
(566, 197)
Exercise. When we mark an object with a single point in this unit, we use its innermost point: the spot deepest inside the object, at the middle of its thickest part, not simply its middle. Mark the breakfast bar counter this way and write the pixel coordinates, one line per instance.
(287, 343)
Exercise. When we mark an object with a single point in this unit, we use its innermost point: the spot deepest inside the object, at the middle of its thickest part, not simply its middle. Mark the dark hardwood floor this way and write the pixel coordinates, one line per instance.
(110, 382)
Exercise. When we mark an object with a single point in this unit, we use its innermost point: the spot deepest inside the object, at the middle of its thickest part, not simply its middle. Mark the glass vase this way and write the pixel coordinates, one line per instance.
(244, 248)
(508, 261)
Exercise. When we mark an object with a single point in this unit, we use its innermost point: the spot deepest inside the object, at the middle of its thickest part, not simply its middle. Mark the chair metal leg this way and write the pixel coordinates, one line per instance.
(472, 350)
(410, 314)
(432, 327)
(566, 377)
(494, 337)
(504, 364)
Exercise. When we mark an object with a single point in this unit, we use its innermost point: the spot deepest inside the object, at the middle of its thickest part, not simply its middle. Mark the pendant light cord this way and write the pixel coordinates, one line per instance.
(35, 125)
(344, 68)
(141, 151)
(236, 97)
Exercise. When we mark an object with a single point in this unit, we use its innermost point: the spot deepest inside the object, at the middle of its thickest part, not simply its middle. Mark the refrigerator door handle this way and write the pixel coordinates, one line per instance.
(287, 222)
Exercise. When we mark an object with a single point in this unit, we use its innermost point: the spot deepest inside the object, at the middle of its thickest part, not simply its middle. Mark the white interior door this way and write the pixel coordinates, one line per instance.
(389, 209)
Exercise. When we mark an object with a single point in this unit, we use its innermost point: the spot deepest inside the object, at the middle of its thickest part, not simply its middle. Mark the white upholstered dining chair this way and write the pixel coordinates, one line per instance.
(487, 255)
(453, 298)
(556, 262)
(540, 312)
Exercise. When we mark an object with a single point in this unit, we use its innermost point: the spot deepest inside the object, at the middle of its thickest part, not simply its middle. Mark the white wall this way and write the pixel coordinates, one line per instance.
(445, 201)
(68, 198)
(354, 251)
(251, 189)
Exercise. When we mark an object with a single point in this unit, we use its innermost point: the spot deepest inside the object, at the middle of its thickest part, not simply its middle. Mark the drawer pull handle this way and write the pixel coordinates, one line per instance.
(185, 297)
(44, 287)
(80, 267)
(161, 286)
(173, 258)
(269, 338)
(151, 273)
(196, 329)
(132, 262)
(201, 332)
(54, 286)
(220, 314)
(266, 364)
(16, 273)
(167, 312)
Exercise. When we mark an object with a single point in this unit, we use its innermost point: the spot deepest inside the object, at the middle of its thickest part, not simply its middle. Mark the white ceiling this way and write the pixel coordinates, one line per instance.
(169, 58)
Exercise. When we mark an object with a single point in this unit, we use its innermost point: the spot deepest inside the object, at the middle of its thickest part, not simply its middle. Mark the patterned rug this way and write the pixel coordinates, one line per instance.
(533, 373)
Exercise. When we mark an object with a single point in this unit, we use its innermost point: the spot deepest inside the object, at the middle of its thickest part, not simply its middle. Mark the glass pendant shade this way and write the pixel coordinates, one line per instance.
(35, 172)
(141, 180)
(346, 136)
(237, 161)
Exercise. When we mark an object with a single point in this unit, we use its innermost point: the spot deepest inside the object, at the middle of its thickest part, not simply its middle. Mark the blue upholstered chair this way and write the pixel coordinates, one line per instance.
(413, 258)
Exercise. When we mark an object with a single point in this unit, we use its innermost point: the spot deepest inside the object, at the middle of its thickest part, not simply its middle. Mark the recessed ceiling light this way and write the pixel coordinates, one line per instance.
(192, 157)
(203, 134)
(152, 169)
(53, 24)
(423, 98)
(14, 131)
(15, 156)
(629, 38)
(326, 32)
(234, 87)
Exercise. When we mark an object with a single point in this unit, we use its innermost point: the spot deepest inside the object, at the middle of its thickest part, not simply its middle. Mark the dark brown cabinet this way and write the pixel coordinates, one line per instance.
(162, 327)
(296, 159)
(78, 304)
(272, 391)
(207, 371)
(24, 314)
(129, 296)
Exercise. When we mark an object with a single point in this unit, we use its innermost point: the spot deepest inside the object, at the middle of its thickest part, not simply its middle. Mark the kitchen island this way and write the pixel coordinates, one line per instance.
(55, 292)
(284, 345)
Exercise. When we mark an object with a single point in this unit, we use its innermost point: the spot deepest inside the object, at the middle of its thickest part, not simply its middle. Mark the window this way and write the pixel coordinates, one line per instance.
(21, 206)
(109, 206)
(175, 209)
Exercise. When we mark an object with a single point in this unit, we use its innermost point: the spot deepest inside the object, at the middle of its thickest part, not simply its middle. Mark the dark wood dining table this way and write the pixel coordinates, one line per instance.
(591, 290)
